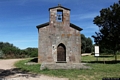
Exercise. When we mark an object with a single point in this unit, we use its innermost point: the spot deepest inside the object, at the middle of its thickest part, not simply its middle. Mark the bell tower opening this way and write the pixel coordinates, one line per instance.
(59, 15)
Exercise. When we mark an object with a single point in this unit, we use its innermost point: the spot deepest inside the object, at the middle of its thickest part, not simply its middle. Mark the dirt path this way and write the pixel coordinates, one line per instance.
(9, 72)
(8, 63)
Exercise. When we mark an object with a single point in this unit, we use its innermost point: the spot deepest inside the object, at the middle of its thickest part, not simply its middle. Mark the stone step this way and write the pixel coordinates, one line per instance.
(64, 66)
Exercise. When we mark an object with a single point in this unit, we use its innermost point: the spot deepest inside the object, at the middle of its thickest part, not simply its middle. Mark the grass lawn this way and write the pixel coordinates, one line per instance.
(105, 67)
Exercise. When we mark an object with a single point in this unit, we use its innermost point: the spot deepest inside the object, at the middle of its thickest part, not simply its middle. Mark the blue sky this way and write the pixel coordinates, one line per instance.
(19, 18)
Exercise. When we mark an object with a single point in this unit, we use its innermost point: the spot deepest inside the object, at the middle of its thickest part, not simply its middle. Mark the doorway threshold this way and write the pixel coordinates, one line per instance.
(61, 62)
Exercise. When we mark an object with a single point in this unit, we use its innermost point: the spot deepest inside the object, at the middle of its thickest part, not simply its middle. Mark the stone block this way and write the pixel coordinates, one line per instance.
(64, 66)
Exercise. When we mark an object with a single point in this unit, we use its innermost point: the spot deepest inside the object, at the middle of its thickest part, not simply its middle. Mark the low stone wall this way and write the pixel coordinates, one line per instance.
(64, 66)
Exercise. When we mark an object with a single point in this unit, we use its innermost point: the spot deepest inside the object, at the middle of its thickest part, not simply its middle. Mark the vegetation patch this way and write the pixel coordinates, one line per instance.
(8, 50)
(98, 71)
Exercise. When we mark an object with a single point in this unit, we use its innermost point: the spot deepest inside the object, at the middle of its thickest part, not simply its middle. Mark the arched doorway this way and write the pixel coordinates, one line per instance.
(61, 52)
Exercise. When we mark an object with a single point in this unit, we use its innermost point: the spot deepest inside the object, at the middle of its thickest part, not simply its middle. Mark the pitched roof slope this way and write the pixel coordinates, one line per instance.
(71, 25)
(59, 6)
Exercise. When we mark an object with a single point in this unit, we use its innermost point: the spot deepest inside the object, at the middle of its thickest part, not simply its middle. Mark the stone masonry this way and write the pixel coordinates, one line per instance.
(59, 40)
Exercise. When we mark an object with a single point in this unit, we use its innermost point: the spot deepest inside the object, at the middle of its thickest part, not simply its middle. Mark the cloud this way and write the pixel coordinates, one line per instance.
(51, 1)
(84, 16)
(23, 41)
(91, 26)
(22, 44)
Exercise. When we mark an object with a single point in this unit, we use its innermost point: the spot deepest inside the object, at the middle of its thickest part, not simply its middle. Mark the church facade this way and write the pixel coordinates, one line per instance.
(59, 40)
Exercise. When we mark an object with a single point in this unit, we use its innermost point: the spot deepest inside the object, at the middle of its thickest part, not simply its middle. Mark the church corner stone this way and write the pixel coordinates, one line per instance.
(59, 43)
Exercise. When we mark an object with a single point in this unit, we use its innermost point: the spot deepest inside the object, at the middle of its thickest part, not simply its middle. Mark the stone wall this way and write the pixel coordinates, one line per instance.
(64, 66)
(50, 39)
(55, 33)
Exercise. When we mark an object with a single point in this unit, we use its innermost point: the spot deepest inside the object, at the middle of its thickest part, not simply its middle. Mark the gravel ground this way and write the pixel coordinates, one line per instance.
(9, 72)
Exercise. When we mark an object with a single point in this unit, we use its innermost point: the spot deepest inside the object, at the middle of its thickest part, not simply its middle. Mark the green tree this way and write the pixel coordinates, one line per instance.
(1, 54)
(8, 50)
(109, 28)
(83, 42)
(32, 52)
(86, 44)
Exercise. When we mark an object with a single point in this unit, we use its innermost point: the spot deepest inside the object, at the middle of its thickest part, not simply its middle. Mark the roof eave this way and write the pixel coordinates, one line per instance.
(76, 27)
(59, 7)
(71, 25)
(42, 25)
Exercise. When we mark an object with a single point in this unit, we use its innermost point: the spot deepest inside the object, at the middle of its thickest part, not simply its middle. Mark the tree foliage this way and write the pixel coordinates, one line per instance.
(108, 22)
(83, 42)
(8, 50)
(32, 52)
(86, 44)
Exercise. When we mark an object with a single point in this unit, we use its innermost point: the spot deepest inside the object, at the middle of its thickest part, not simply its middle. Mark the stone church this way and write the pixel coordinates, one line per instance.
(59, 41)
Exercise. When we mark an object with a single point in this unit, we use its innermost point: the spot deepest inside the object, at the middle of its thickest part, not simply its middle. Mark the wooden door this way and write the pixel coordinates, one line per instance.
(61, 53)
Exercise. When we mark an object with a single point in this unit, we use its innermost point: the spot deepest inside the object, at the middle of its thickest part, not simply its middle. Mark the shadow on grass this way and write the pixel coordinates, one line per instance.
(8, 72)
(35, 60)
(18, 71)
(105, 56)
(103, 62)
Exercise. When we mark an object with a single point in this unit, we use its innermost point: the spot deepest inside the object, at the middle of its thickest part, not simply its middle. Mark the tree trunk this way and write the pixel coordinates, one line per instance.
(115, 54)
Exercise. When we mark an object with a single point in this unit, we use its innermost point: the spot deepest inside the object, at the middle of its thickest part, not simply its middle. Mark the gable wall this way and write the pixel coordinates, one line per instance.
(49, 39)
(59, 32)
